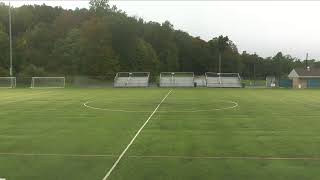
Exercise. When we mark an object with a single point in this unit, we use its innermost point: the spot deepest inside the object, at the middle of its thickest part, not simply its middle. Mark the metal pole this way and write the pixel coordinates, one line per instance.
(254, 69)
(254, 73)
(10, 39)
(219, 62)
(307, 60)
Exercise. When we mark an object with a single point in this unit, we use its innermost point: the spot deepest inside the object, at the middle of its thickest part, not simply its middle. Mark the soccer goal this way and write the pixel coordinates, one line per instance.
(271, 81)
(8, 82)
(48, 82)
(223, 79)
(131, 79)
(177, 79)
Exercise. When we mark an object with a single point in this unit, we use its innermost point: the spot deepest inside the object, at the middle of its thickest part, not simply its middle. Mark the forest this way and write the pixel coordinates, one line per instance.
(102, 40)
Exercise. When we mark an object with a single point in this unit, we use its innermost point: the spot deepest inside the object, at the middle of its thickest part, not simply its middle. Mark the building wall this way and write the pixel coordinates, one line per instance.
(298, 81)
(295, 82)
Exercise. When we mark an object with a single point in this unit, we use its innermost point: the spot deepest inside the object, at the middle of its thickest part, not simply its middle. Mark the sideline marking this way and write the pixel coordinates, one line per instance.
(169, 156)
(62, 155)
(134, 138)
(231, 157)
(235, 104)
(28, 97)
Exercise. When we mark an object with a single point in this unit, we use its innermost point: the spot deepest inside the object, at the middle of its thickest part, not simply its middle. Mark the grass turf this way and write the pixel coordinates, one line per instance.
(48, 126)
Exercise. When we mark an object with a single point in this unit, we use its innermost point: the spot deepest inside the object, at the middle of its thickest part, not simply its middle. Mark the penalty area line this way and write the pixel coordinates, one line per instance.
(134, 138)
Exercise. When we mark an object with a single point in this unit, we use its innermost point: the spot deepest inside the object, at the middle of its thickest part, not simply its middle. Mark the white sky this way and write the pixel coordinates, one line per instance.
(264, 27)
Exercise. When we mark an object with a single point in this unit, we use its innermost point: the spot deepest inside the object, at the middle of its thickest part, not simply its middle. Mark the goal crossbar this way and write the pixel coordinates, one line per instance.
(132, 79)
(48, 82)
(176, 79)
(223, 79)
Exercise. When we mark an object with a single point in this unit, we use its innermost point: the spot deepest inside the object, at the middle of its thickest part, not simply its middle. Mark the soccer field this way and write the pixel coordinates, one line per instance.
(190, 134)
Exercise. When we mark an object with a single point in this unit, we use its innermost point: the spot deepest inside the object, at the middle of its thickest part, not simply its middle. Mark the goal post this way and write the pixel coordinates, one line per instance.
(176, 79)
(48, 82)
(232, 80)
(132, 79)
(8, 82)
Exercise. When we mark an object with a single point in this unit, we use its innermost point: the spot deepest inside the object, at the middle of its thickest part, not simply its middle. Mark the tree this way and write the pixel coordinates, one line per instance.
(99, 5)
(32, 70)
(4, 50)
(97, 55)
(222, 45)
(103, 40)
(38, 44)
(67, 52)
(145, 58)
(219, 45)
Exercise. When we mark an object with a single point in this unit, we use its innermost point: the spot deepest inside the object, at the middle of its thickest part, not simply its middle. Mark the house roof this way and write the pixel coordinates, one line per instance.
(303, 72)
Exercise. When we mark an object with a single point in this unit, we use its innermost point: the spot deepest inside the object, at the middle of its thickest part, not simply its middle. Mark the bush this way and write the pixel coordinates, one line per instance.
(4, 72)
(32, 70)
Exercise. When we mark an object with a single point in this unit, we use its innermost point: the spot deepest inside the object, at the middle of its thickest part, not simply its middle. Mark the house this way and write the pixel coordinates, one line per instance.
(305, 77)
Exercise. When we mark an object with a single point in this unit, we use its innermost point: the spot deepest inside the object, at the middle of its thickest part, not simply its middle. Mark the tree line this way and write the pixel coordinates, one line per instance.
(103, 40)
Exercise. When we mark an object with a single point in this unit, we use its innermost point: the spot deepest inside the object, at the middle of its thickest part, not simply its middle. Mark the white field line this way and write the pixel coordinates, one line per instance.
(15, 96)
(29, 97)
(232, 157)
(234, 105)
(13, 136)
(61, 155)
(113, 110)
(301, 100)
(134, 138)
(19, 96)
(168, 156)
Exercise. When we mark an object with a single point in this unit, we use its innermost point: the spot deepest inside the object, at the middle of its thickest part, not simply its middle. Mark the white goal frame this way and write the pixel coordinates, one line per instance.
(12, 80)
(220, 82)
(175, 76)
(271, 81)
(129, 77)
(34, 78)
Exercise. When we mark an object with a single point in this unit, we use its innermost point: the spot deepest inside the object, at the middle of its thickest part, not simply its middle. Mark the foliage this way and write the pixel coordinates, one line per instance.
(103, 40)
(32, 70)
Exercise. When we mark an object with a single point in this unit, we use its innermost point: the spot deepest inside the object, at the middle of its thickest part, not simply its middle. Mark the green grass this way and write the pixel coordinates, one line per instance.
(45, 127)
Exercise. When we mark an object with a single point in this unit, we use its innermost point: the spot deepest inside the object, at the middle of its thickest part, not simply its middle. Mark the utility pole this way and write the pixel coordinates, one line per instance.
(254, 73)
(254, 68)
(10, 39)
(220, 62)
(307, 60)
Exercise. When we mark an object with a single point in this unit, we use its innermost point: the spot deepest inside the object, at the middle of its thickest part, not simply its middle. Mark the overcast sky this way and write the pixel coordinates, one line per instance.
(292, 27)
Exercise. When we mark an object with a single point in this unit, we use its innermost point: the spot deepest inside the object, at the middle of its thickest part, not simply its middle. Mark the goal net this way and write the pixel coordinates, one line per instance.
(176, 79)
(132, 79)
(223, 79)
(271, 81)
(48, 82)
(8, 82)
